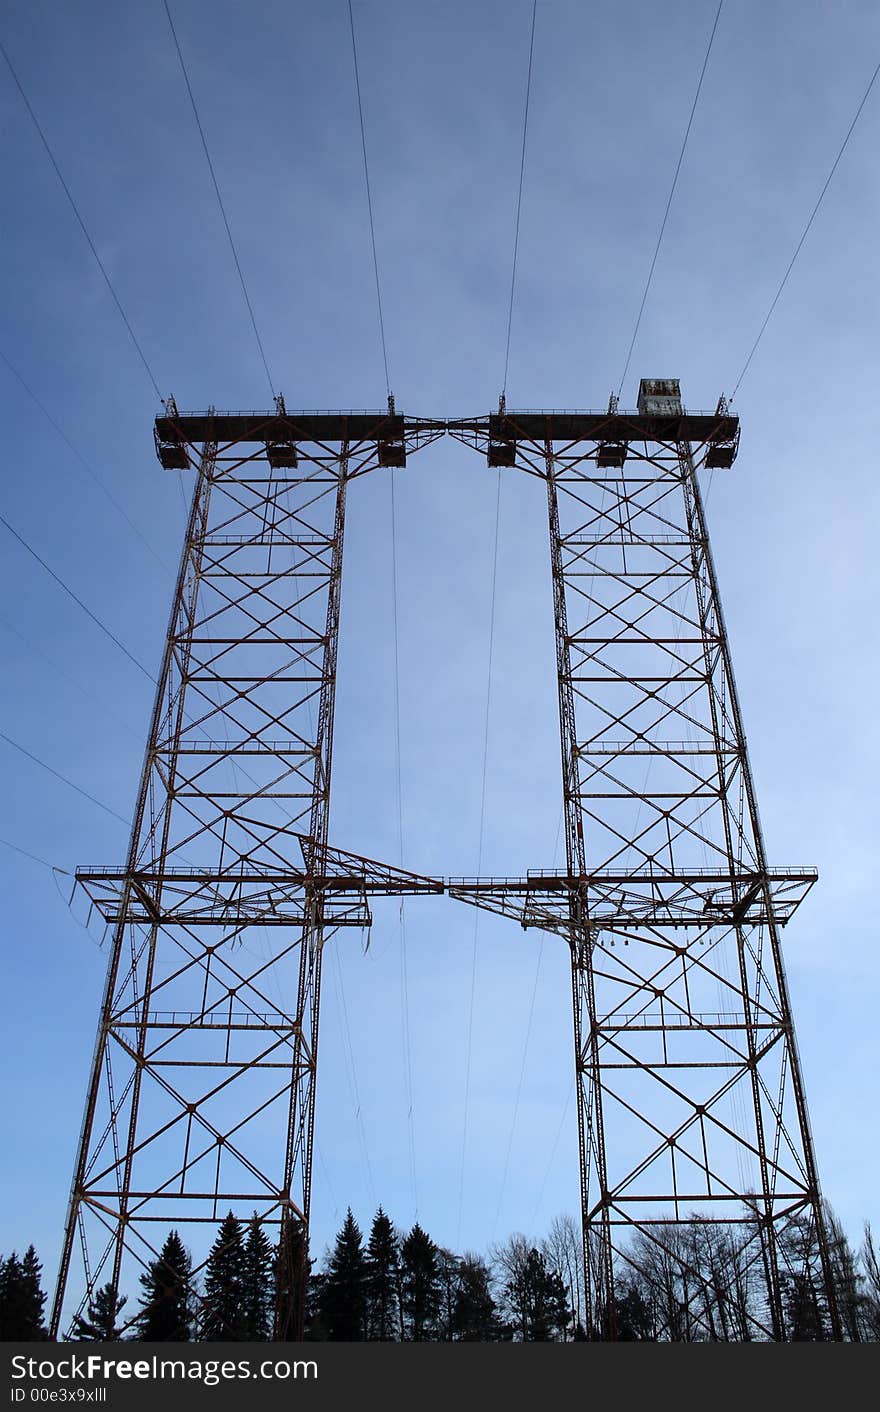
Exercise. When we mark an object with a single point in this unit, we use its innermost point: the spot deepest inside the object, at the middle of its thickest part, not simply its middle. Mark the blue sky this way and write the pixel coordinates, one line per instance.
(793, 523)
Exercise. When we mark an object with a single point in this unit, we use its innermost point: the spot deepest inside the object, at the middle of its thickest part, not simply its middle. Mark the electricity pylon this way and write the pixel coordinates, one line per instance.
(692, 1123)
(202, 1092)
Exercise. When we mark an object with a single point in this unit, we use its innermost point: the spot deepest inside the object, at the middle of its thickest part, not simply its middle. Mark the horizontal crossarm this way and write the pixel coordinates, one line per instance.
(615, 899)
(250, 892)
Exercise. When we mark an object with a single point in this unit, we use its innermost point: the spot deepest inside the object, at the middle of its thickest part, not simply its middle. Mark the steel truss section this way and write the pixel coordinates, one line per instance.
(202, 1091)
(692, 1123)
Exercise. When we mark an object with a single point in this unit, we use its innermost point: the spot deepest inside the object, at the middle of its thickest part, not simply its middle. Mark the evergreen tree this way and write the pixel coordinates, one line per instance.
(315, 1325)
(419, 1285)
(382, 1275)
(166, 1303)
(343, 1297)
(632, 1314)
(100, 1325)
(805, 1307)
(295, 1298)
(448, 1279)
(538, 1299)
(475, 1317)
(21, 1298)
(10, 1274)
(223, 1315)
(257, 1278)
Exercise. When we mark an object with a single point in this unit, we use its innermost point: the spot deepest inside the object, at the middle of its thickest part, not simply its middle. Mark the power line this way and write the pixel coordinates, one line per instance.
(519, 1086)
(86, 465)
(56, 666)
(528, 1036)
(99, 623)
(806, 230)
(522, 167)
(53, 867)
(82, 225)
(473, 978)
(70, 593)
(351, 1072)
(669, 200)
(552, 1158)
(473, 984)
(404, 977)
(63, 778)
(244, 291)
(357, 81)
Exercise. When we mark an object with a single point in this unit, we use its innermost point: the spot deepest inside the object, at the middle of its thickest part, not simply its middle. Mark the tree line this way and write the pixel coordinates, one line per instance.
(690, 1283)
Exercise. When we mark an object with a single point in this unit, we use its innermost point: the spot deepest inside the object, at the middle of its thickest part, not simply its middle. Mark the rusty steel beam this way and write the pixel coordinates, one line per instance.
(689, 1092)
(213, 1108)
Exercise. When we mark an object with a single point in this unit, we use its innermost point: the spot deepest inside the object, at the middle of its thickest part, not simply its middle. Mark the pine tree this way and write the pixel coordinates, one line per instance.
(257, 1282)
(419, 1284)
(475, 1318)
(9, 1276)
(633, 1319)
(536, 1294)
(343, 1303)
(382, 1272)
(448, 1281)
(166, 1303)
(21, 1298)
(100, 1325)
(315, 1325)
(223, 1312)
(293, 1309)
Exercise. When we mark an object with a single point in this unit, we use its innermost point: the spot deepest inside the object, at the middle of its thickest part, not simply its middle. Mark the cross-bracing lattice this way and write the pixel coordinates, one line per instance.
(691, 1110)
(691, 1115)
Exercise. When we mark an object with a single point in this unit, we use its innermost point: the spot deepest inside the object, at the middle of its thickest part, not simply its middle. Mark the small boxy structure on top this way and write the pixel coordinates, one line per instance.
(659, 397)
(660, 417)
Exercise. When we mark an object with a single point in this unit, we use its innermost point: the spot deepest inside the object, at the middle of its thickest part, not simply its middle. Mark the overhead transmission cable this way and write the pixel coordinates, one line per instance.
(519, 1088)
(244, 289)
(404, 974)
(82, 225)
(494, 581)
(107, 809)
(96, 700)
(526, 1041)
(63, 778)
(86, 465)
(357, 81)
(806, 230)
(113, 293)
(522, 168)
(53, 867)
(99, 623)
(473, 974)
(351, 1072)
(553, 1150)
(684, 144)
(70, 593)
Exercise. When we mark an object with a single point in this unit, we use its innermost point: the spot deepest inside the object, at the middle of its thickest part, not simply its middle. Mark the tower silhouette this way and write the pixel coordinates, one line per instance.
(202, 1093)
(692, 1123)
(696, 1164)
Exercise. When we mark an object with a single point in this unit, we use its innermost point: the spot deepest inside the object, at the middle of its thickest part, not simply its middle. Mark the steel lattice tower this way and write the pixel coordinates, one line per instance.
(690, 1101)
(691, 1112)
(202, 1091)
